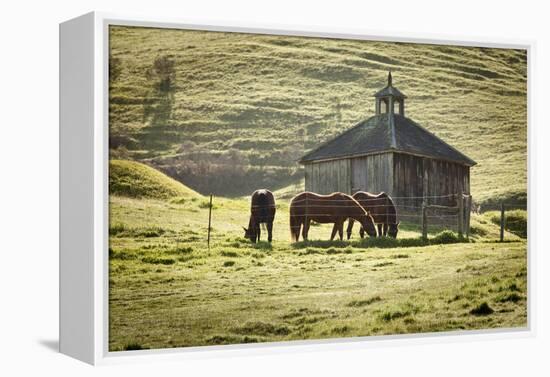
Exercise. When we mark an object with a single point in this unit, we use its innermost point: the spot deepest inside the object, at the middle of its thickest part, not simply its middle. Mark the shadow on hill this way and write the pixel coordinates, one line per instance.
(157, 112)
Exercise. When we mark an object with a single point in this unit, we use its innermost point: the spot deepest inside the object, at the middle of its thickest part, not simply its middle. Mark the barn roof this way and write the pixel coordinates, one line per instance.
(390, 90)
(385, 133)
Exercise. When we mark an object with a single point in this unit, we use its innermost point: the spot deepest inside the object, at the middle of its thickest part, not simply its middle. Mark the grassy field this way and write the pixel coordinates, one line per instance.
(167, 289)
(242, 108)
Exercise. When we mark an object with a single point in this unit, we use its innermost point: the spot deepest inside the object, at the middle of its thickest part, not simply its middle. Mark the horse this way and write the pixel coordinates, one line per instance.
(262, 210)
(334, 208)
(382, 210)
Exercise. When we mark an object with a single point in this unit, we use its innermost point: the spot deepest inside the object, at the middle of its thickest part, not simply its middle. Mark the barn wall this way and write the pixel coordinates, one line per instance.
(328, 176)
(418, 177)
(372, 173)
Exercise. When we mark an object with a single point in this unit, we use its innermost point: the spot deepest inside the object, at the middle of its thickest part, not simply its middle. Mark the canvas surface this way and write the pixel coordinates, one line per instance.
(195, 113)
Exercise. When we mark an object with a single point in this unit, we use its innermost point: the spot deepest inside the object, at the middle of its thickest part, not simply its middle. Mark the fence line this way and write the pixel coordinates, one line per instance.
(321, 203)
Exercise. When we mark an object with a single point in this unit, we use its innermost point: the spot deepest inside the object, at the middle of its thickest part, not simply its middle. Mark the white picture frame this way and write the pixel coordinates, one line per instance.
(84, 191)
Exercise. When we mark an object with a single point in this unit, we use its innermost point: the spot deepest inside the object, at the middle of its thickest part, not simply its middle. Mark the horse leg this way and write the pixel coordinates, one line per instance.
(386, 226)
(341, 229)
(334, 229)
(379, 230)
(269, 230)
(305, 229)
(258, 231)
(362, 232)
(350, 227)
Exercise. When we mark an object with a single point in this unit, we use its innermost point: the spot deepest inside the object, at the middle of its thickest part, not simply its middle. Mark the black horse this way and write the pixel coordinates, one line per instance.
(262, 211)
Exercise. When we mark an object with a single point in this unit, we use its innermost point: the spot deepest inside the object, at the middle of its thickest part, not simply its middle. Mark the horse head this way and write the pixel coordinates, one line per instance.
(250, 234)
(368, 225)
(392, 230)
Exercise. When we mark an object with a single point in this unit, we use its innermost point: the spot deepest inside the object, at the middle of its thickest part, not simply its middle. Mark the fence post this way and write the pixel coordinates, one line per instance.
(209, 221)
(460, 202)
(424, 221)
(502, 220)
(468, 214)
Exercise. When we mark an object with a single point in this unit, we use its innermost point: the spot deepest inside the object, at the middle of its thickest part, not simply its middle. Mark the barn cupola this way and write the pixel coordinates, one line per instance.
(389, 98)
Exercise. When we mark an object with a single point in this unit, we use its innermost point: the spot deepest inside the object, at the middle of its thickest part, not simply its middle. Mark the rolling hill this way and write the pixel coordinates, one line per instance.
(136, 180)
(241, 108)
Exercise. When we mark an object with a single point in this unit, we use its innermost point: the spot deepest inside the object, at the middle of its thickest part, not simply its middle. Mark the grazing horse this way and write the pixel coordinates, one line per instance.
(382, 210)
(262, 210)
(334, 208)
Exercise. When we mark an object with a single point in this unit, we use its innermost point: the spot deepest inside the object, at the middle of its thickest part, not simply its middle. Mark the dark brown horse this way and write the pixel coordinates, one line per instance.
(262, 210)
(334, 208)
(382, 210)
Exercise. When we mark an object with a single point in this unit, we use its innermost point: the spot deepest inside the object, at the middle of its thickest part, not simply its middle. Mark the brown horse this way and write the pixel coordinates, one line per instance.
(334, 208)
(262, 210)
(382, 210)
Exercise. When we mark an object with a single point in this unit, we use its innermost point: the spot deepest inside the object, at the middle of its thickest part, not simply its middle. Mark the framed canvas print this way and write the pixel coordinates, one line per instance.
(226, 187)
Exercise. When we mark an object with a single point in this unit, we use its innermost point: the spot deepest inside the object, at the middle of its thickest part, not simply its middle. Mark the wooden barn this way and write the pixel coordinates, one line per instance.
(392, 153)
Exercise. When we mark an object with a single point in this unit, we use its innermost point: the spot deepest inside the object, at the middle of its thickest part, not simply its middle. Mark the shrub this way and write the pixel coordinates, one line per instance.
(229, 253)
(178, 200)
(183, 250)
(133, 347)
(445, 237)
(206, 204)
(482, 309)
(515, 221)
(509, 297)
(116, 229)
(120, 255)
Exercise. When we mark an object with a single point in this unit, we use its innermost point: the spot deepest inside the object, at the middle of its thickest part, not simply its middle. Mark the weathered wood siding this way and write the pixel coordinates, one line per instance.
(418, 177)
(328, 176)
(372, 173)
(408, 179)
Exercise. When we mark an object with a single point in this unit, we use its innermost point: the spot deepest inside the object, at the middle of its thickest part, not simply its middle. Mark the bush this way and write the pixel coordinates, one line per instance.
(134, 347)
(482, 309)
(445, 237)
(515, 221)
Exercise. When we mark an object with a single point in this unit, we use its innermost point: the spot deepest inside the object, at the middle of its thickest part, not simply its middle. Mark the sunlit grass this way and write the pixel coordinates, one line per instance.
(168, 289)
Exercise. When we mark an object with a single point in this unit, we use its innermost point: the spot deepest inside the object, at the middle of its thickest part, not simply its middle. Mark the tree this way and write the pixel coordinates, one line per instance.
(163, 70)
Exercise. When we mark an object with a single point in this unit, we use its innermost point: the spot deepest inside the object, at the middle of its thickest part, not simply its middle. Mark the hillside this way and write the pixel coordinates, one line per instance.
(242, 108)
(136, 180)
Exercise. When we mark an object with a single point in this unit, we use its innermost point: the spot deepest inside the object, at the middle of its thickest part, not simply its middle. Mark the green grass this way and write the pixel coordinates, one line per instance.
(245, 107)
(515, 221)
(136, 180)
(170, 290)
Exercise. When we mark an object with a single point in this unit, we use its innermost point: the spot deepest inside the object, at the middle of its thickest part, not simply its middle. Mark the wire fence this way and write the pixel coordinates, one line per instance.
(422, 211)
(453, 216)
